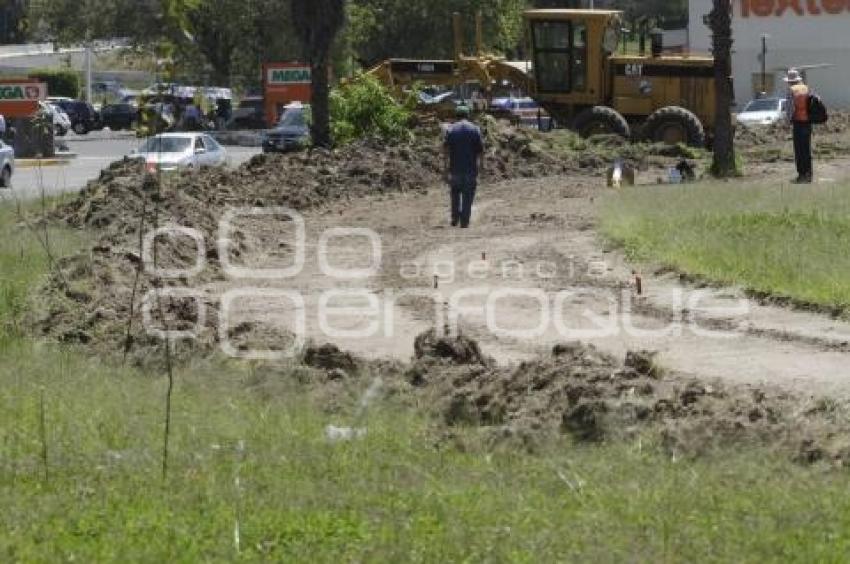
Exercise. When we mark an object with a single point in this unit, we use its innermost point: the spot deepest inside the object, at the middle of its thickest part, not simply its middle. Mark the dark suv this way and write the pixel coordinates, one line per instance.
(84, 117)
(292, 132)
(118, 116)
(250, 114)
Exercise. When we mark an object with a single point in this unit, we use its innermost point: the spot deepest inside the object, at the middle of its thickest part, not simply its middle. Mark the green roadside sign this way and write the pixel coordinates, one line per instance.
(12, 92)
(294, 75)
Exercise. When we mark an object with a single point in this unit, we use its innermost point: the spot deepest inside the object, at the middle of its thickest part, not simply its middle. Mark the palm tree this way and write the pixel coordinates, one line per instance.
(720, 22)
(317, 23)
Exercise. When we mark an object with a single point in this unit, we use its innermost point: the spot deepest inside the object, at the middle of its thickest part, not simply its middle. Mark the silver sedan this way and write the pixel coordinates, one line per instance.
(173, 151)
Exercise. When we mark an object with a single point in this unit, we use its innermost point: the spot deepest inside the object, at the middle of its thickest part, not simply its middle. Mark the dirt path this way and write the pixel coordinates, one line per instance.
(533, 259)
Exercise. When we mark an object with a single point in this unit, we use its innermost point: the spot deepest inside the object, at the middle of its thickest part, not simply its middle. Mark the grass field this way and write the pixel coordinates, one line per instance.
(781, 240)
(391, 497)
(253, 478)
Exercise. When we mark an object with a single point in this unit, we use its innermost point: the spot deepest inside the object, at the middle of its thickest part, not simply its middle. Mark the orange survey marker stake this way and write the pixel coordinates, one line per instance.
(638, 283)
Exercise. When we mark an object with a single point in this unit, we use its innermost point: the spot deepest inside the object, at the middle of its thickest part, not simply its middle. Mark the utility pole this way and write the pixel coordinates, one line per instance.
(764, 39)
(88, 72)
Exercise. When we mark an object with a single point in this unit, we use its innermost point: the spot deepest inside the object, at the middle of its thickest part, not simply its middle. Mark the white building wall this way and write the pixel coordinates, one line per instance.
(801, 33)
(675, 38)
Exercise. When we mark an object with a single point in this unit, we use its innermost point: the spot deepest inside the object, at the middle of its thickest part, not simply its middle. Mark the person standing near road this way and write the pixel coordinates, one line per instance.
(2, 127)
(799, 96)
(192, 118)
(464, 161)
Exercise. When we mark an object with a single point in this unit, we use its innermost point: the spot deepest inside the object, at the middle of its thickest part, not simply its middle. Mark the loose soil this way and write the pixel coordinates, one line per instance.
(592, 396)
(763, 147)
(105, 288)
(533, 234)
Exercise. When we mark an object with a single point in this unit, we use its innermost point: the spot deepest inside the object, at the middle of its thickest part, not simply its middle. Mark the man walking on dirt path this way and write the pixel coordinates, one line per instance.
(464, 160)
(798, 113)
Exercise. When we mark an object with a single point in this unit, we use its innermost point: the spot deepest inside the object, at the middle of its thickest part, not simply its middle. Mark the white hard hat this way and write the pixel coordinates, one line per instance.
(793, 76)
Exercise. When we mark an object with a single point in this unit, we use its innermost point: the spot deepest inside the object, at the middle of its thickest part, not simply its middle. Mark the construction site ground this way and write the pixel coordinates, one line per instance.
(705, 355)
(528, 228)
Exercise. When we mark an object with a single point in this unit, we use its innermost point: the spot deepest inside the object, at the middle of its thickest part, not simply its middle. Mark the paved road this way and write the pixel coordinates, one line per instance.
(95, 151)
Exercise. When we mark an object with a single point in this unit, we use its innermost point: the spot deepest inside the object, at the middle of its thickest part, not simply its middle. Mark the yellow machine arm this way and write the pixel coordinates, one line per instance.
(487, 71)
(484, 69)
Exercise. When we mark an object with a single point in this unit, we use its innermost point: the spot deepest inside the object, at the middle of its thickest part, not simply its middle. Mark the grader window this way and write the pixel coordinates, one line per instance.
(560, 56)
(579, 51)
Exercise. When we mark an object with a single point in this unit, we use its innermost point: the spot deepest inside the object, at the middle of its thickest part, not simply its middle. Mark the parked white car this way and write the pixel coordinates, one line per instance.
(763, 111)
(61, 121)
(7, 165)
(171, 151)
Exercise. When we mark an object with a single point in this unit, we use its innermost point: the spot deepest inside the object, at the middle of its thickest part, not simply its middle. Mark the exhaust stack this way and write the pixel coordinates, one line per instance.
(458, 32)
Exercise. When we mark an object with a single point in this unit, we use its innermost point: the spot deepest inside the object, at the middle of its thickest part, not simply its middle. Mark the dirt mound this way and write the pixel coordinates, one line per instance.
(126, 202)
(747, 137)
(527, 152)
(299, 181)
(594, 397)
(459, 349)
(524, 153)
(762, 137)
(329, 357)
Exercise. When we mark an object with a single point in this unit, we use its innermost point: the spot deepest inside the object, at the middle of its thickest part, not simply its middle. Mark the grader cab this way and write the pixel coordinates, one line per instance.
(581, 80)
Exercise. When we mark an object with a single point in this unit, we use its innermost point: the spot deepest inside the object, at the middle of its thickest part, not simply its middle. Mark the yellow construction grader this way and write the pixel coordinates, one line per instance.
(576, 74)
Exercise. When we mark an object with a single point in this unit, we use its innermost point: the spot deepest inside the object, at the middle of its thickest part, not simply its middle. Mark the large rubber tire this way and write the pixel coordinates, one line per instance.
(601, 120)
(675, 125)
(80, 128)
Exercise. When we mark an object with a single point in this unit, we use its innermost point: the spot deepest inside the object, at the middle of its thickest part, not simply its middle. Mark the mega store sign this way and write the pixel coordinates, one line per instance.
(22, 92)
(284, 83)
(780, 8)
(19, 98)
(288, 76)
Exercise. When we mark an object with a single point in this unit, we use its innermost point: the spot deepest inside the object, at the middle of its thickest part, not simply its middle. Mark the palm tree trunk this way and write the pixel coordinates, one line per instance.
(318, 22)
(320, 128)
(724, 142)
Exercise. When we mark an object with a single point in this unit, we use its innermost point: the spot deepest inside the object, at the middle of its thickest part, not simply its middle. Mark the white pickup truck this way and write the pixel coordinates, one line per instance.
(7, 165)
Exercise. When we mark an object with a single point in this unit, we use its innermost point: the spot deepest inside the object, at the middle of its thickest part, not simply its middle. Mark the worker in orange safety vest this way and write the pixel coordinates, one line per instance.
(799, 96)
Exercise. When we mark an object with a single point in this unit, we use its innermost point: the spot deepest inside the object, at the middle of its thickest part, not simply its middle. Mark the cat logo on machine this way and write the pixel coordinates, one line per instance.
(634, 70)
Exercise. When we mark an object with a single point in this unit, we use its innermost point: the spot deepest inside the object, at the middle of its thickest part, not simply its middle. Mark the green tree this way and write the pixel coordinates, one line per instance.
(551, 4)
(268, 37)
(74, 21)
(68, 21)
(673, 12)
(13, 21)
(217, 28)
(366, 108)
(382, 29)
(317, 23)
(61, 82)
(216, 39)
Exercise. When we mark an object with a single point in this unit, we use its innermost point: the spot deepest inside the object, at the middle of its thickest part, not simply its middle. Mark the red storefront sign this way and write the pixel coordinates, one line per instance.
(284, 83)
(779, 8)
(19, 97)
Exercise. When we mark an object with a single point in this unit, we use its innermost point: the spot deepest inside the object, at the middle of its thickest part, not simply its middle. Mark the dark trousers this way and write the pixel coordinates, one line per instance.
(463, 196)
(803, 149)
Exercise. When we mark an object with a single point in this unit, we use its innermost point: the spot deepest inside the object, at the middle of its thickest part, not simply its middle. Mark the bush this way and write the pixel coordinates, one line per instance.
(59, 82)
(365, 108)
